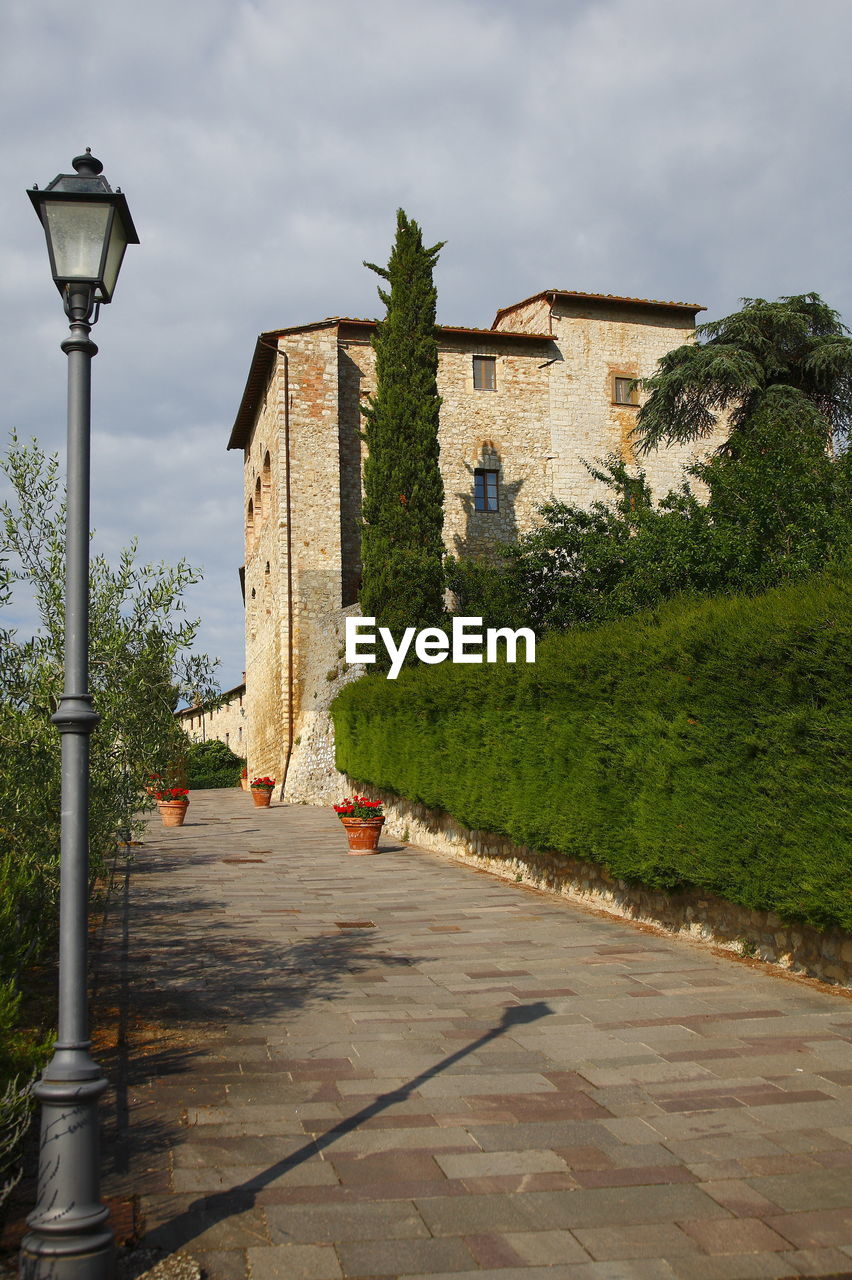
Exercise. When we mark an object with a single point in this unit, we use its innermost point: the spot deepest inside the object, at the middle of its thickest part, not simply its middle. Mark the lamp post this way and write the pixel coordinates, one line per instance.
(87, 226)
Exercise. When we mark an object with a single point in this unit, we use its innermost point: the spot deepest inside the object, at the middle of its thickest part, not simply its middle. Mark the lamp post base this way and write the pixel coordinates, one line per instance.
(68, 1237)
(96, 1264)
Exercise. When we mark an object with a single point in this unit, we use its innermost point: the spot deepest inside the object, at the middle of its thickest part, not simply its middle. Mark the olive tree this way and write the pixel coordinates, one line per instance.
(141, 665)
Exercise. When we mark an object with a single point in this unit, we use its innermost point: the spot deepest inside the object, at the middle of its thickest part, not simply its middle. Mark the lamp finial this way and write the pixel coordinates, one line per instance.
(87, 165)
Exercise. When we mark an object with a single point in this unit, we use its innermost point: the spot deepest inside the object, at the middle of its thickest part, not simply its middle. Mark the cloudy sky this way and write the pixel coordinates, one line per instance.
(673, 149)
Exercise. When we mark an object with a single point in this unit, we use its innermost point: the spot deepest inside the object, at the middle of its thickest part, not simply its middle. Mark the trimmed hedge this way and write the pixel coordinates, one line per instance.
(702, 744)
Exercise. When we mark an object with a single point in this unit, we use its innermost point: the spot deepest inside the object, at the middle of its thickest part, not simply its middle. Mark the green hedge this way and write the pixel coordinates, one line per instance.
(212, 764)
(702, 744)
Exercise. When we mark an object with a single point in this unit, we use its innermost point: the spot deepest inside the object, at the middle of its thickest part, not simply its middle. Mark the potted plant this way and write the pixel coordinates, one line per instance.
(244, 778)
(261, 791)
(173, 803)
(363, 819)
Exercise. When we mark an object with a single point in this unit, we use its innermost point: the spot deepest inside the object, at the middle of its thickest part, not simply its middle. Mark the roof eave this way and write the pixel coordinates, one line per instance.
(261, 364)
(691, 308)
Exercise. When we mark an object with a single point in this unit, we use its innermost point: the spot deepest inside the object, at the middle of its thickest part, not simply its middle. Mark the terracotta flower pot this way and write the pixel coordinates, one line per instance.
(244, 783)
(261, 797)
(363, 833)
(172, 812)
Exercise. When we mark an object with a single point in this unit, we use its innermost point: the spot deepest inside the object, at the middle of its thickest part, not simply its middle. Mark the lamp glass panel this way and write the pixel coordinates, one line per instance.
(77, 230)
(115, 253)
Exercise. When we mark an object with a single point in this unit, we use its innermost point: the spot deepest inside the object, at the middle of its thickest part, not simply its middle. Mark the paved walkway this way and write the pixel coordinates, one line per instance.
(397, 1066)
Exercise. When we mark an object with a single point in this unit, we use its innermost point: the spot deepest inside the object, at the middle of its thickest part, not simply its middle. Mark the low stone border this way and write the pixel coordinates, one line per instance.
(702, 917)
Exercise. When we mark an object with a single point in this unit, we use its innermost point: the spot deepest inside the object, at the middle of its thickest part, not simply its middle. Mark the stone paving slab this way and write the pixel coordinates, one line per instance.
(327, 1067)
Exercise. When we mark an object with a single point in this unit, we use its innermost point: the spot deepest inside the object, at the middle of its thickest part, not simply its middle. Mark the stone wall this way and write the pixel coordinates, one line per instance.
(505, 430)
(293, 559)
(311, 776)
(597, 341)
(697, 916)
(226, 723)
(262, 487)
(315, 534)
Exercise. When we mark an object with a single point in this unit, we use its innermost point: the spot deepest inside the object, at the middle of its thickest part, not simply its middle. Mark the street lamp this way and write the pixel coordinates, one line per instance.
(87, 226)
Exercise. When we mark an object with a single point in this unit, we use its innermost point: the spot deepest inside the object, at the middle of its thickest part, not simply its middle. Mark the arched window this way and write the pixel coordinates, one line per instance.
(250, 527)
(266, 477)
(258, 499)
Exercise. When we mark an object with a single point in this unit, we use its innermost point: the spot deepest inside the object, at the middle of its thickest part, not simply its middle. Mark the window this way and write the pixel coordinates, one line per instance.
(485, 373)
(623, 392)
(485, 490)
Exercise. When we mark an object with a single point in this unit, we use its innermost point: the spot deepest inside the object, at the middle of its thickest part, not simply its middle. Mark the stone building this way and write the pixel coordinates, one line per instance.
(524, 402)
(224, 719)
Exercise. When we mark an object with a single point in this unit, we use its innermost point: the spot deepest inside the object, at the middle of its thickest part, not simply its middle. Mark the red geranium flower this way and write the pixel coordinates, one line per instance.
(359, 807)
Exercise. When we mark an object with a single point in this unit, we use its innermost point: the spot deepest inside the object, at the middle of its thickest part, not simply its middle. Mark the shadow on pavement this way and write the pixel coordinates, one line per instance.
(207, 1211)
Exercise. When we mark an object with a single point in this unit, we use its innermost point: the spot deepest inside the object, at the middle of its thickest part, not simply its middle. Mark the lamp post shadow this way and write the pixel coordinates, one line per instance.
(207, 1211)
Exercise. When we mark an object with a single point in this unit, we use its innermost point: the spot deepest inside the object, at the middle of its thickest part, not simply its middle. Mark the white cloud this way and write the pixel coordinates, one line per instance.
(667, 149)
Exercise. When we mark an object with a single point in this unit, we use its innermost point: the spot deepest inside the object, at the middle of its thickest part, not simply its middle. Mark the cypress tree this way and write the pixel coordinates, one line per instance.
(402, 511)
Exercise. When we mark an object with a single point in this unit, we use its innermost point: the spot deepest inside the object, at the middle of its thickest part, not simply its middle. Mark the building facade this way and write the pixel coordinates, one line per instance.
(224, 720)
(524, 403)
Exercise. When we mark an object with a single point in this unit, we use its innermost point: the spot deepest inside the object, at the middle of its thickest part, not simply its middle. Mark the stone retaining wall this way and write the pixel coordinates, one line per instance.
(699, 916)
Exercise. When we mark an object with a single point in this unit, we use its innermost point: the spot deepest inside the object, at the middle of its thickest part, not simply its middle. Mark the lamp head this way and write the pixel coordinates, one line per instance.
(87, 226)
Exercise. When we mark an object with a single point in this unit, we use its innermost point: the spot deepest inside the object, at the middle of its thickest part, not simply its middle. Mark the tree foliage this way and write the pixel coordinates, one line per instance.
(139, 666)
(402, 511)
(796, 341)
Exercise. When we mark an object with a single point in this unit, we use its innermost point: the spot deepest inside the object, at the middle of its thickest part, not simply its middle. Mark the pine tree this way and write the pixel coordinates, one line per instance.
(402, 511)
(797, 342)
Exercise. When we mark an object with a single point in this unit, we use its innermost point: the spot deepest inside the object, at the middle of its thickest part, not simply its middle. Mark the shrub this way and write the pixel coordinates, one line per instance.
(698, 745)
(212, 764)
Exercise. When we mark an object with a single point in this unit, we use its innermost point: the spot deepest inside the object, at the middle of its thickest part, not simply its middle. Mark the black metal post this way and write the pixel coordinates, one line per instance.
(68, 1237)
